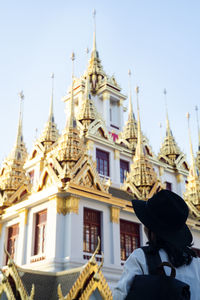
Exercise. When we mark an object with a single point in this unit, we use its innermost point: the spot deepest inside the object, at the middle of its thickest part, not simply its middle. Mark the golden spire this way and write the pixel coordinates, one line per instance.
(87, 112)
(129, 134)
(95, 69)
(12, 173)
(94, 34)
(19, 131)
(193, 169)
(70, 145)
(169, 152)
(139, 149)
(51, 116)
(192, 194)
(50, 133)
(198, 152)
(142, 180)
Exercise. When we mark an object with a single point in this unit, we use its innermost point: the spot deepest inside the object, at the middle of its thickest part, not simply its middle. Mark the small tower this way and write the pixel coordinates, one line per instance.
(142, 180)
(129, 134)
(170, 152)
(12, 173)
(87, 112)
(70, 145)
(192, 194)
(95, 70)
(198, 152)
(50, 133)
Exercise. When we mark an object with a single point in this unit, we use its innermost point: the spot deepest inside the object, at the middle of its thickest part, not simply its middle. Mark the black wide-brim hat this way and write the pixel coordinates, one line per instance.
(165, 214)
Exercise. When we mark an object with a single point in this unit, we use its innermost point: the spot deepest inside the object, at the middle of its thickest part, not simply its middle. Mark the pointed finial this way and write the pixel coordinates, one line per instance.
(51, 117)
(21, 95)
(19, 132)
(94, 37)
(139, 148)
(193, 166)
(167, 118)
(137, 92)
(72, 121)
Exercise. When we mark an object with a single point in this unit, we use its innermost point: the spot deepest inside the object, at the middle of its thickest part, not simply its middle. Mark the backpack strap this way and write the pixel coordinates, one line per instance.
(153, 260)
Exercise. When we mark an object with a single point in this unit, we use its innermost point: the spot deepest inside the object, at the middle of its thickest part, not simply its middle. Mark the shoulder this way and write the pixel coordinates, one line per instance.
(137, 258)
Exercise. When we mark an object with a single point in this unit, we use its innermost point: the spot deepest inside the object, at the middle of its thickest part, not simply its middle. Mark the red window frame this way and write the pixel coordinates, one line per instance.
(102, 158)
(40, 232)
(124, 168)
(13, 232)
(129, 238)
(91, 230)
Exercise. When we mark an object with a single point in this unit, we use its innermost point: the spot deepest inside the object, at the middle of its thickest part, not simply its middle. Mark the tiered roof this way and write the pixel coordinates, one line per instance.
(170, 152)
(129, 134)
(12, 174)
(142, 180)
(192, 194)
(50, 133)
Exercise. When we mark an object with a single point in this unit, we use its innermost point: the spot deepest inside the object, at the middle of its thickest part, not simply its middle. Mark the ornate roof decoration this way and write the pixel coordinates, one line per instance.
(12, 284)
(91, 274)
(192, 194)
(129, 134)
(12, 173)
(87, 113)
(95, 70)
(142, 180)
(70, 145)
(50, 133)
(198, 152)
(170, 152)
(80, 283)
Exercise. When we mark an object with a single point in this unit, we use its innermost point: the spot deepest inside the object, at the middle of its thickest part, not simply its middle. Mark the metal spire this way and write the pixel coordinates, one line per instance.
(51, 116)
(139, 148)
(72, 121)
(19, 132)
(94, 34)
(168, 131)
(193, 165)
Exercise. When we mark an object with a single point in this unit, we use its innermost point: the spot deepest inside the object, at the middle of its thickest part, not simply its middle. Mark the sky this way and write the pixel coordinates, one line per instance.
(159, 41)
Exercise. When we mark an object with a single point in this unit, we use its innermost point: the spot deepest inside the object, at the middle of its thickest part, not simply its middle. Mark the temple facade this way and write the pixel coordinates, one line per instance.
(77, 185)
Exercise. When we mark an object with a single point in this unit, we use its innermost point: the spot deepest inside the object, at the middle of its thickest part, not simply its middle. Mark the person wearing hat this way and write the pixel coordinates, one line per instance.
(164, 218)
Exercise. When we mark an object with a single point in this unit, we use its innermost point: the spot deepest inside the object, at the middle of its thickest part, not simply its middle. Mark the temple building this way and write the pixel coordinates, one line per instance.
(77, 185)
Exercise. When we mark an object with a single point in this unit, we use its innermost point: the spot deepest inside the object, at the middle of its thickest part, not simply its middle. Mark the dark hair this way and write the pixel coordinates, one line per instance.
(177, 256)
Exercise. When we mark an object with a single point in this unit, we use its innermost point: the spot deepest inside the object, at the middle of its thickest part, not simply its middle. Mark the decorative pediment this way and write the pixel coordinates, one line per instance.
(19, 195)
(11, 283)
(84, 173)
(47, 178)
(90, 279)
(98, 129)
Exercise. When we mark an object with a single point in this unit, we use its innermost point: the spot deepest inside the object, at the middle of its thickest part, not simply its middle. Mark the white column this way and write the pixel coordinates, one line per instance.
(115, 236)
(73, 242)
(106, 108)
(22, 239)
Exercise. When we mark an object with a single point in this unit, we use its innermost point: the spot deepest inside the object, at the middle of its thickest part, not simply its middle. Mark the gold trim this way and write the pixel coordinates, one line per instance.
(114, 214)
(1, 226)
(72, 204)
(23, 215)
(116, 154)
(179, 178)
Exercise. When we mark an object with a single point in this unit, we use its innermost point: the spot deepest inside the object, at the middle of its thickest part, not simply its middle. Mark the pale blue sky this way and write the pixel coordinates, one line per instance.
(157, 39)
